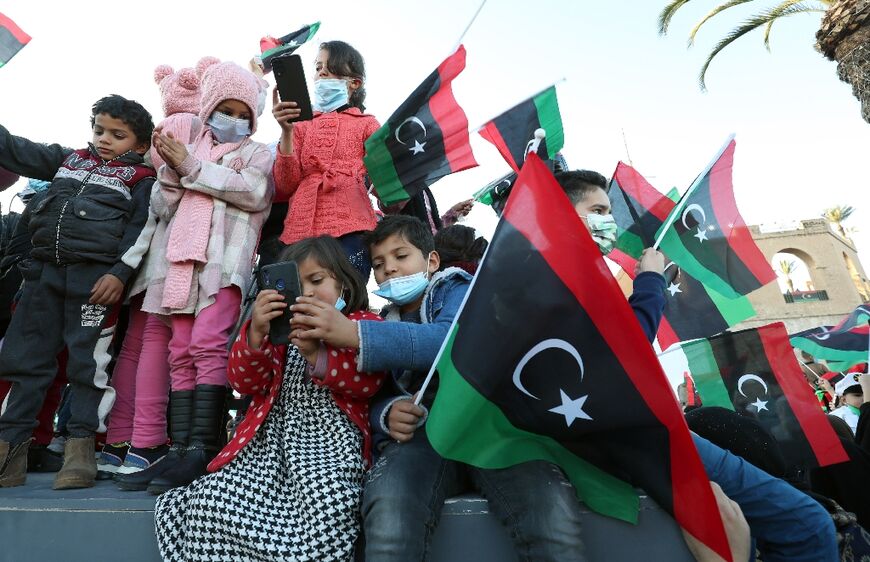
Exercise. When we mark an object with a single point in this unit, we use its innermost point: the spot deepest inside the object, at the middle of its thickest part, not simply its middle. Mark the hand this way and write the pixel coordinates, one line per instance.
(315, 319)
(402, 420)
(269, 305)
(255, 65)
(284, 111)
(107, 290)
(460, 209)
(651, 260)
(172, 151)
(825, 385)
(308, 348)
(736, 529)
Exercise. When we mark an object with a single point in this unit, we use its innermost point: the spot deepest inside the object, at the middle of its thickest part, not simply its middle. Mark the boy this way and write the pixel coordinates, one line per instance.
(84, 235)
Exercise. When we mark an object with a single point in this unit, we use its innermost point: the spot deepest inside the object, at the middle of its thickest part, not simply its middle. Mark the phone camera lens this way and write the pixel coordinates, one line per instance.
(279, 284)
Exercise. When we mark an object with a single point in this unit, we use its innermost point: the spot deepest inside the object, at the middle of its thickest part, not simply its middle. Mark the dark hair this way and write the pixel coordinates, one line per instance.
(130, 112)
(328, 253)
(411, 229)
(457, 243)
(344, 60)
(578, 183)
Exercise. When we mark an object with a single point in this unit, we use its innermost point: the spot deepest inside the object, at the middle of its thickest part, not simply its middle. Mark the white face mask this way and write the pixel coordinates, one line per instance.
(228, 129)
(604, 230)
(329, 94)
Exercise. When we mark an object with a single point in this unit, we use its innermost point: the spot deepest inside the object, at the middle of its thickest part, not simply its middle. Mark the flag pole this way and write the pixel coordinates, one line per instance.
(467, 27)
(541, 91)
(810, 369)
(682, 202)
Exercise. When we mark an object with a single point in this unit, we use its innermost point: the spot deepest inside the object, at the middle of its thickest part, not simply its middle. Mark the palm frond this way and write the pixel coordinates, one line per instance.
(713, 12)
(667, 13)
(790, 8)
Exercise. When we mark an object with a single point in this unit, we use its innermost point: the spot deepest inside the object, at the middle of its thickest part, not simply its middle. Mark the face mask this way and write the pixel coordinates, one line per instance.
(340, 303)
(228, 129)
(603, 229)
(329, 94)
(402, 290)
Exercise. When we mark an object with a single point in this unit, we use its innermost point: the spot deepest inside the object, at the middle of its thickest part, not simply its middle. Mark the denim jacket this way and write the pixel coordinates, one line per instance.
(399, 347)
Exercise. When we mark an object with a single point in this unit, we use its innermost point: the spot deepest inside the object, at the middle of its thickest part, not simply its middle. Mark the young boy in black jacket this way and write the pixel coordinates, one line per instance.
(84, 233)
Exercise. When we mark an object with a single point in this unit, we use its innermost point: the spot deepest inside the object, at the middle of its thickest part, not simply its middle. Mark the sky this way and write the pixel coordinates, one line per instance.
(625, 92)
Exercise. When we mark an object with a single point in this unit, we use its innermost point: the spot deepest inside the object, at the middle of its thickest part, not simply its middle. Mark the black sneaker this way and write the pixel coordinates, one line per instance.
(110, 459)
(141, 458)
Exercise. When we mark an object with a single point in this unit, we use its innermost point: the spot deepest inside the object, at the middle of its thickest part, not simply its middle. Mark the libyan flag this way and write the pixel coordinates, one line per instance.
(707, 237)
(273, 48)
(12, 39)
(543, 343)
(754, 372)
(691, 310)
(513, 132)
(842, 346)
(424, 140)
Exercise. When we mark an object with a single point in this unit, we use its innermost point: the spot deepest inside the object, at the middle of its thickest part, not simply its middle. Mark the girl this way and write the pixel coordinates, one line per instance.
(320, 162)
(287, 487)
(212, 200)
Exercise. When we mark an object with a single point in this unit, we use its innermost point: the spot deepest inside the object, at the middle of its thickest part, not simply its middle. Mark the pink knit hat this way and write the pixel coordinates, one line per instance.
(179, 91)
(228, 81)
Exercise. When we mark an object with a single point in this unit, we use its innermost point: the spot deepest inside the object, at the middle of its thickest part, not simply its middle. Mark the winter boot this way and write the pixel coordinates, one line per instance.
(207, 429)
(79, 464)
(42, 459)
(13, 464)
(180, 417)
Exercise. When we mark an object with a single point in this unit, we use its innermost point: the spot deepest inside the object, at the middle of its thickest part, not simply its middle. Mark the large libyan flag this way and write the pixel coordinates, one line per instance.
(547, 361)
(842, 346)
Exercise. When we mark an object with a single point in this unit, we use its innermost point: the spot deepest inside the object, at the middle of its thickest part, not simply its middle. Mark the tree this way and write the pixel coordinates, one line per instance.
(843, 36)
(836, 215)
(787, 267)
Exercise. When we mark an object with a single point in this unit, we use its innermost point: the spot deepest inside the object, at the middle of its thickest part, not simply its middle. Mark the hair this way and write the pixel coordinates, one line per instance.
(328, 253)
(577, 184)
(130, 112)
(411, 229)
(344, 60)
(457, 244)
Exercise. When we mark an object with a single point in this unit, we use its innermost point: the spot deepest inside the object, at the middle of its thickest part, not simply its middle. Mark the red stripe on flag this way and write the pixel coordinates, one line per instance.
(801, 399)
(491, 133)
(541, 211)
(643, 192)
(728, 216)
(16, 31)
(666, 334)
(449, 115)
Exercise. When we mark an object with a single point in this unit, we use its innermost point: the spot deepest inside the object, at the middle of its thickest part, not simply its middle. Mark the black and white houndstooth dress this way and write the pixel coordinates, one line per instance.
(292, 493)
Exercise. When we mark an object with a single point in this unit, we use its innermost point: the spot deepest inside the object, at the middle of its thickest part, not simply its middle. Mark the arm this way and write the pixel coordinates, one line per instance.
(648, 301)
(20, 242)
(251, 370)
(167, 196)
(341, 375)
(246, 189)
(287, 171)
(131, 249)
(30, 159)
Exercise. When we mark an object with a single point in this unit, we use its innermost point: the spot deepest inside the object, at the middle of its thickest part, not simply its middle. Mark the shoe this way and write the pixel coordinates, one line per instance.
(110, 459)
(141, 458)
(42, 459)
(180, 418)
(79, 465)
(57, 444)
(13, 464)
(207, 428)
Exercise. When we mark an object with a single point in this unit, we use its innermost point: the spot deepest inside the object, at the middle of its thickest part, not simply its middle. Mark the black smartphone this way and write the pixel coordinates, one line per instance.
(284, 278)
(290, 78)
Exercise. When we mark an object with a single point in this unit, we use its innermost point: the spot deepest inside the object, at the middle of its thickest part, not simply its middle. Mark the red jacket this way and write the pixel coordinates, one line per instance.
(259, 372)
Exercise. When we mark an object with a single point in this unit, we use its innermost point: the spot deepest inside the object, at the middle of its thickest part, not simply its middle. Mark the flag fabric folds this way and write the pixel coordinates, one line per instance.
(513, 131)
(842, 346)
(424, 140)
(754, 372)
(543, 343)
(272, 48)
(12, 39)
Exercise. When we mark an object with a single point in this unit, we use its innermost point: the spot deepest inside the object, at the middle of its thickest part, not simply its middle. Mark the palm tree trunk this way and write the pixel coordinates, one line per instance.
(844, 36)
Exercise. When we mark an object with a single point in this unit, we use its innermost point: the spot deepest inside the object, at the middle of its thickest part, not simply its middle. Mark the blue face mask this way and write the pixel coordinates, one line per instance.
(340, 303)
(329, 94)
(402, 290)
(228, 129)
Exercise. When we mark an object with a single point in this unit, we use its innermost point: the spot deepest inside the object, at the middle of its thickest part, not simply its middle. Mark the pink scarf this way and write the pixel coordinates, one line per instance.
(191, 227)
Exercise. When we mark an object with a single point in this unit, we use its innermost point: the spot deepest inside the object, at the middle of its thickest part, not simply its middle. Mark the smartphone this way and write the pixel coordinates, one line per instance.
(290, 78)
(284, 278)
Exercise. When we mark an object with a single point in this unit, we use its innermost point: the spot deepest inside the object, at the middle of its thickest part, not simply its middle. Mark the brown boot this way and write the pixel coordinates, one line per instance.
(13, 464)
(79, 465)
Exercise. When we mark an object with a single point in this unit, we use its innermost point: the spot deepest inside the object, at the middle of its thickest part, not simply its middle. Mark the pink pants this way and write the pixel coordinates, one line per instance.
(141, 382)
(198, 348)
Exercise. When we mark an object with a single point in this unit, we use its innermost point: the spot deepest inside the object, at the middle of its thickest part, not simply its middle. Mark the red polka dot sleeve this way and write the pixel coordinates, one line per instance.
(251, 370)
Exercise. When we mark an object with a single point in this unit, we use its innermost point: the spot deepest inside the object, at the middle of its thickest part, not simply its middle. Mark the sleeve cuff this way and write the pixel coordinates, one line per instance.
(386, 412)
(188, 166)
(318, 370)
(122, 271)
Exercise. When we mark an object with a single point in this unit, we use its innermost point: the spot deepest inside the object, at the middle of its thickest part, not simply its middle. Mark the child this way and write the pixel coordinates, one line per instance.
(211, 202)
(83, 231)
(288, 486)
(852, 398)
(458, 246)
(319, 162)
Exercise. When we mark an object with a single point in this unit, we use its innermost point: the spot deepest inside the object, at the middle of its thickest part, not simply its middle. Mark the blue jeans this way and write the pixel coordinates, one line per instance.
(786, 524)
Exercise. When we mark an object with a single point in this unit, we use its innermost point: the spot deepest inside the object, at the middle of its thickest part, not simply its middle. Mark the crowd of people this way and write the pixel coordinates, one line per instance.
(137, 318)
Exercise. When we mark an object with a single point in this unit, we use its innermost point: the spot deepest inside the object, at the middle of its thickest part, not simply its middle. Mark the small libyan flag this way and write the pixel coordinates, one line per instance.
(513, 132)
(424, 140)
(272, 48)
(842, 346)
(12, 39)
(754, 372)
(542, 343)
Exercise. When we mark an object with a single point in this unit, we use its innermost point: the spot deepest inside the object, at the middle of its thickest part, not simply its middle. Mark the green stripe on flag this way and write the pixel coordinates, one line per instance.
(381, 170)
(705, 372)
(733, 310)
(550, 119)
(837, 359)
(629, 243)
(463, 425)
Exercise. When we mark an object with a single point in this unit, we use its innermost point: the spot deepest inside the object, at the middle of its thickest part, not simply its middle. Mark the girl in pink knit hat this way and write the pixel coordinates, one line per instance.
(319, 165)
(211, 202)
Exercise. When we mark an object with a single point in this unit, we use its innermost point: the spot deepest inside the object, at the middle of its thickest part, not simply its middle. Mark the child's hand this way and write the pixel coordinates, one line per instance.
(107, 290)
(308, 348)
(172, 151)
(403, 419)
(283, 111)
(651, 260)
(269, 304)
(318, 320)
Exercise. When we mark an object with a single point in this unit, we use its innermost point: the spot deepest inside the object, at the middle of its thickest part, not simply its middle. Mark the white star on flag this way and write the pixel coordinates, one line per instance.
(571, 409)
(759, 405)
(292, 44)
(674, 288)
(701, 235)
(418, 147)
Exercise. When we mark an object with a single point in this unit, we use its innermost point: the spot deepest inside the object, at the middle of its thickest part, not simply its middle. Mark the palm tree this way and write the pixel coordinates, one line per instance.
(787, 267)
(836, 215)
(844, 35)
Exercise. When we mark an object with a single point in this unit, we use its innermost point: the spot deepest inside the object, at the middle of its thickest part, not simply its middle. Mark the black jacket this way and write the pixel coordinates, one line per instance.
(94, 210)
